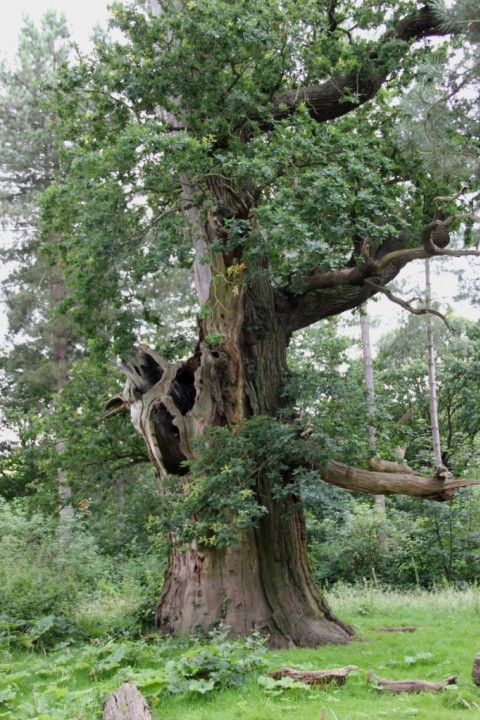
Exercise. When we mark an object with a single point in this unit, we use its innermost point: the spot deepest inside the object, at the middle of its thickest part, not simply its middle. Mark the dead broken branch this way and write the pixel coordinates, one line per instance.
(391, 483)
(388, 466)
(315, 677)
(416, 686)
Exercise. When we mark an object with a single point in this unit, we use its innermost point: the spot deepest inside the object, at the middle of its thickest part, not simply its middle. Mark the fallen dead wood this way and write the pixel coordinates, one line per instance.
(126, 703)
(416, 686)
(315, 677)
(404, 628)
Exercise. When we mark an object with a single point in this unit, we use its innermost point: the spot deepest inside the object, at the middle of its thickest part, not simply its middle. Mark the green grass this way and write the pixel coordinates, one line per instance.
(72, 682)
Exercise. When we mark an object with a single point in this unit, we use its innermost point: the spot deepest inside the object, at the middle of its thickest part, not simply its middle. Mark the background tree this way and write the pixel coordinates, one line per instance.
(29, 163)
(43, 347)
(37, 364)
(255, 143)
(403, 373)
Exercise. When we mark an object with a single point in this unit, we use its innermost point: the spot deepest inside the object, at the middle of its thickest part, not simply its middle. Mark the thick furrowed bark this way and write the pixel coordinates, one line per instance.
(298, 608)
(263, 582)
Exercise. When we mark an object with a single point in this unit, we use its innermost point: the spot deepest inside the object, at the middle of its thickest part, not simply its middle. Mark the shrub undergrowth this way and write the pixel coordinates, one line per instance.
(56, 585)
(219, 678)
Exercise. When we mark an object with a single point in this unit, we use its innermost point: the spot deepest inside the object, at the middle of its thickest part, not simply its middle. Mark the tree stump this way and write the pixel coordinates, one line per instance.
(126, 703)
(314, 677)
(476, 670)
(416, 686)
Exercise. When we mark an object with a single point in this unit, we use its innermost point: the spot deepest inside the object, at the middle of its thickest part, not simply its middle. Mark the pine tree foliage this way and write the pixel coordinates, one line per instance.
(29, 162)
(441, 123)
(29, 158)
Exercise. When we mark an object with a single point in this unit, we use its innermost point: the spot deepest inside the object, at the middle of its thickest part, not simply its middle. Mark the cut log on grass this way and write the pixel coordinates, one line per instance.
(415, 686)
(126, 703)
(476, 670)
(404, 628)
(315, 677)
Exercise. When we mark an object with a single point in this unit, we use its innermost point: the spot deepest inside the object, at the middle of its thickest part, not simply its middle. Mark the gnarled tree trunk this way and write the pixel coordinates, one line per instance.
(264, 580)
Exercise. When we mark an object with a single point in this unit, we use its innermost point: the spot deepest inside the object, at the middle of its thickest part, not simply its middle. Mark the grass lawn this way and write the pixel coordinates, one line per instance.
(71, 682)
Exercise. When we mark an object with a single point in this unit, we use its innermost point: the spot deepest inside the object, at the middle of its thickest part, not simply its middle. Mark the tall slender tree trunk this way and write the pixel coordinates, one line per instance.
(380, 504)
(59, 349)
(432, 382)
(370, 386)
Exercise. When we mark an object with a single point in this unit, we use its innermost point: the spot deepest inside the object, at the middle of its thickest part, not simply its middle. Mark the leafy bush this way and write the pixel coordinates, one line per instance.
(125, 598)
(424, 544)
(55, 583)
(44, 566)
(347, 548)
(212, 662)
(220, 489)
(43, 632)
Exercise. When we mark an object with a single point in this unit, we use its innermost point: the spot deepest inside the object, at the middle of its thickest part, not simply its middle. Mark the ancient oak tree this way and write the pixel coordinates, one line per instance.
(257, 143)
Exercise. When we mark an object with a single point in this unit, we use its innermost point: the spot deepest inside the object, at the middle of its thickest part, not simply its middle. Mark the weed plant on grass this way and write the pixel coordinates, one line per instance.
(71, 682)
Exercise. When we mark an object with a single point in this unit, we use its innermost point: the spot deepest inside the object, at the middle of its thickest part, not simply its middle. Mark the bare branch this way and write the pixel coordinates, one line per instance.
(415, 311)
(380, 483)
(450, 198)
(410, 254)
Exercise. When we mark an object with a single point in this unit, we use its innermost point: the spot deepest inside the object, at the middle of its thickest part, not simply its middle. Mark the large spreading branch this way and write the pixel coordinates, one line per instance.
(325, 294)
(389, 483)
(329, 294)
(341, 94)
